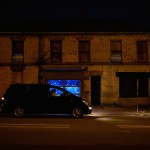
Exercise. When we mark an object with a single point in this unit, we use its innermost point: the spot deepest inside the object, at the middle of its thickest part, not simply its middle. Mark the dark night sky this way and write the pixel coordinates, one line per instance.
(131, 10)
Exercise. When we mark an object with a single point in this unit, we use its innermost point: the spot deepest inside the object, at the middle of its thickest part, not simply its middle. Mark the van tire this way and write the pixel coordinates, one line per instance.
(77, 112)
(19, 111)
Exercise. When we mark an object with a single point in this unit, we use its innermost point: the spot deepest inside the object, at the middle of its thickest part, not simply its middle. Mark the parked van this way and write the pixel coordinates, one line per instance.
(22, 99)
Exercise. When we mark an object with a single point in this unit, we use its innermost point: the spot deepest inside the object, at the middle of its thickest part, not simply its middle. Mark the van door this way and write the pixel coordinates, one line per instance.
(59, 103)
(36, 98)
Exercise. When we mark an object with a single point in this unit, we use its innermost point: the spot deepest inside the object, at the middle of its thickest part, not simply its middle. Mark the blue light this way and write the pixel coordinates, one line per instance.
(55, 82)
(72, 86)
(72, 82)
(74, 90)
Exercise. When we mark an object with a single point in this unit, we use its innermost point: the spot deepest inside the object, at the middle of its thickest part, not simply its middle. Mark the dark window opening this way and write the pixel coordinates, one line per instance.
(84, 51)
(56, 51)
(133, 87)
(142, 51)
(116, 51)
(127, 87)
(18, 51)
(143, 87)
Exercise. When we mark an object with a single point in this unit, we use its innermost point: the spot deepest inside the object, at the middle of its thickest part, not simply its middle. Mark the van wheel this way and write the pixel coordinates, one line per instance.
(77, 112)
(19, 111)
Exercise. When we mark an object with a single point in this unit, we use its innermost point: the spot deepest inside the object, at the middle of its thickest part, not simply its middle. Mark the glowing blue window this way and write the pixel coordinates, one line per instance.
(56, 82)
(72, 86)
(74, 90)
(72, 83)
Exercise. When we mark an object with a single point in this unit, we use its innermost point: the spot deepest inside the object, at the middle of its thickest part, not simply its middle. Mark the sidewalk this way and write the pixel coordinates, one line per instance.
(110, 111)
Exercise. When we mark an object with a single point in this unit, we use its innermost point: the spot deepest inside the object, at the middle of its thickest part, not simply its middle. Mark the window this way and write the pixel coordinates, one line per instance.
(133, 86)
(84, 51)
(143, 87)
(17, 51)
(142, 52)
(56, 51)
(72, 86)
(127, 87)
(116, 51)
(37, 90)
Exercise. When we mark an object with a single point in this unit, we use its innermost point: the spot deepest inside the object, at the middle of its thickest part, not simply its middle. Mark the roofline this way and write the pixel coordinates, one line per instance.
(70, 33)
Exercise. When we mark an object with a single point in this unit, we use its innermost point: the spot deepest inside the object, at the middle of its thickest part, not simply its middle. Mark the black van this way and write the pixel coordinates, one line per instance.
(22, 99)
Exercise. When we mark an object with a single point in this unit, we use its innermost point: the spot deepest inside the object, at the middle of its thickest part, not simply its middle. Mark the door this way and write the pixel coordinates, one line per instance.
(60, 102)
(95, 90)
(36, 99)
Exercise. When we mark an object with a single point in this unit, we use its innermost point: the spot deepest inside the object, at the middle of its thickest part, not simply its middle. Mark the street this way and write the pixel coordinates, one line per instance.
(63, 132)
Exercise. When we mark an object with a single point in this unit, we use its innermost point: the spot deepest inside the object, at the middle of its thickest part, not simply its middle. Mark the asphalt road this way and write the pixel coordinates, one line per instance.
(63, 132)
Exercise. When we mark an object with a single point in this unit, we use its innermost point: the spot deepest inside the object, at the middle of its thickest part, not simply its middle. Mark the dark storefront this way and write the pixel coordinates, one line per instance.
(71, 80)
(133, 84)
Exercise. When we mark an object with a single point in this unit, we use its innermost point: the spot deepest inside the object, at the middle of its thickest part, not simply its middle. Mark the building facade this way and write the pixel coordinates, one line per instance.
(107, 68)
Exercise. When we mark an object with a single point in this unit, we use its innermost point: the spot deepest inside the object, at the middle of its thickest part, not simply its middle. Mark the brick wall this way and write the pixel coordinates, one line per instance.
(110, 83)
(31, 49)
(100, 53)
(30, 74)
(5, 50)
(5, 79)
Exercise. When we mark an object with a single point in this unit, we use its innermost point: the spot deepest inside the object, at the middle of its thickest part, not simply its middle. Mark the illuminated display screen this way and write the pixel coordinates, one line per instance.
(72, 86)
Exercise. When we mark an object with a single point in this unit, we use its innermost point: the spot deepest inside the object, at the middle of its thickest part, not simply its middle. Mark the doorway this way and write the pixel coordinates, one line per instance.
(95, 90)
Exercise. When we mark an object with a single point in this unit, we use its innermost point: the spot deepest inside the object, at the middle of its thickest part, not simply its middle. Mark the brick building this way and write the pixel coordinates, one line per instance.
(105, 67)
